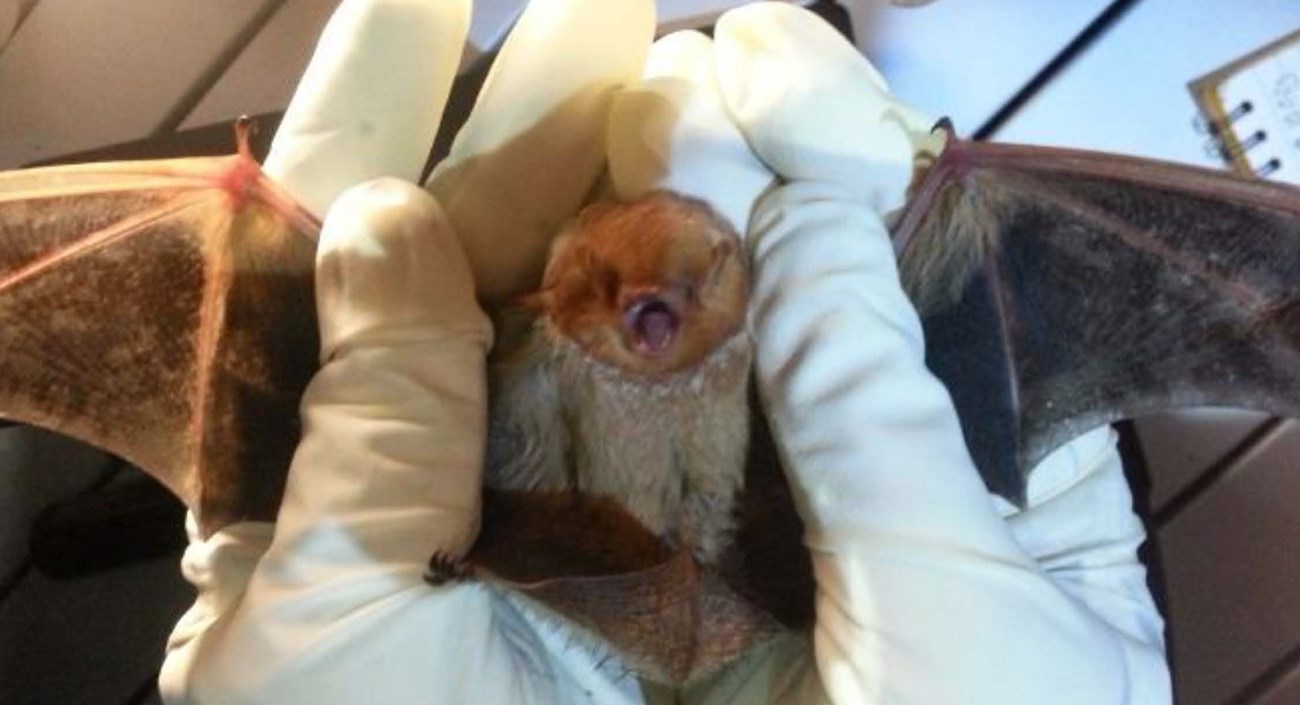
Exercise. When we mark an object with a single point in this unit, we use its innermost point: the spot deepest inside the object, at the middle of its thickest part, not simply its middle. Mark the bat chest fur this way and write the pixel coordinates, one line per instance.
(670, 450)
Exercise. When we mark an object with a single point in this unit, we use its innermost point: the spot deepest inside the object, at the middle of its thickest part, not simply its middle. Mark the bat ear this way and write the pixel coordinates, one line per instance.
(723, 250)
(944, 125)
(560, 250)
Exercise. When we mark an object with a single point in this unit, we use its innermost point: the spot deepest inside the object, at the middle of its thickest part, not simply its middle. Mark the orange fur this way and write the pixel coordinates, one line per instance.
(664, 244)
(581, 401)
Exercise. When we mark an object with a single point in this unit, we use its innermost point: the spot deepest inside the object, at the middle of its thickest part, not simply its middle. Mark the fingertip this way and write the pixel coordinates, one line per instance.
(1087, 454)
(681, 53)
(371, 99)
(375, 217)
(390, 272)
(790, 30)
(810, 105)
(533, 146)
(672, 132)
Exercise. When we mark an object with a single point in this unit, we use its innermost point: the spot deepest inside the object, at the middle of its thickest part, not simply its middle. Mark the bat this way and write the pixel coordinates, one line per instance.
(631, 381)
(1058, 289)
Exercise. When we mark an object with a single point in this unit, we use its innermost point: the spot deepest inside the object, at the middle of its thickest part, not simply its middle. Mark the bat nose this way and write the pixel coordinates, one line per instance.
(652, 322)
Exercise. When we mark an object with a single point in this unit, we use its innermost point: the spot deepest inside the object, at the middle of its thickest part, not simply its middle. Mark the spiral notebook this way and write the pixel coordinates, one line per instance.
(1250, 111)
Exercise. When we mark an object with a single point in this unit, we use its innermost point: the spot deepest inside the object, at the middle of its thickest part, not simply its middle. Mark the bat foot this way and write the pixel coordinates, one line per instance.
(443, 569)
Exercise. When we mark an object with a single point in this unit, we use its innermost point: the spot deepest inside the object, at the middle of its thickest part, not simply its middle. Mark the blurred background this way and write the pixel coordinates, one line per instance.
(89, 576)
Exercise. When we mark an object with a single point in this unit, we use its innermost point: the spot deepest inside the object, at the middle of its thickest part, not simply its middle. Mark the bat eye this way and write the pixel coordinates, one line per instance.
(608, 283)
(652, 324)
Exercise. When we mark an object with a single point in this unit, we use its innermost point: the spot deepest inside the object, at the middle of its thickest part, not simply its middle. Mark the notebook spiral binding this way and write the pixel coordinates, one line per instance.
(1260, 138)
(1222, 142)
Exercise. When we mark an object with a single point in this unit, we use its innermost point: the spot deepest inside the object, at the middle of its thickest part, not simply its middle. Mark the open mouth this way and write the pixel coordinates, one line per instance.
(651, 324)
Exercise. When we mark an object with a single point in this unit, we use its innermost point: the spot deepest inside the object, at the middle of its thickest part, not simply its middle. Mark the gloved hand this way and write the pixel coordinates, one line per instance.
(329, 605)
(335, 610)
(929, 590)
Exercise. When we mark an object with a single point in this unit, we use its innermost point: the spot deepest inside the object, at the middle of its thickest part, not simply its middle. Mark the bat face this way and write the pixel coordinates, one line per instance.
(652, 286)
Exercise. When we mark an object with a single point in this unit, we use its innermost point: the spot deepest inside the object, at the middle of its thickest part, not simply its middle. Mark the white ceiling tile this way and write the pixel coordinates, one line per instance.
(1128, 92)
(262, 79)
(965, 58)
(85, 73)
(8, 20)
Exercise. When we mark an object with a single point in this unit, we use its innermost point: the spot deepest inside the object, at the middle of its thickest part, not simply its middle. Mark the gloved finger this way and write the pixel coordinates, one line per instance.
(1079, 525)
(839, 358)
(672, 132)
(389, 467)
(219, 567)
(907, 548)
(371, 99)
(533, 146)
(812, 107)
(916, 573)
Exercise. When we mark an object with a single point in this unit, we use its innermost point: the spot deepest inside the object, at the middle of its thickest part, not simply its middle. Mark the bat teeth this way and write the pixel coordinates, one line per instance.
(652, 324)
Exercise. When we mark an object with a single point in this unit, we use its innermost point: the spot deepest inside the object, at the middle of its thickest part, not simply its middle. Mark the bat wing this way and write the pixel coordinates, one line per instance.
(162, 311)
(587, 561)
(1061, 290)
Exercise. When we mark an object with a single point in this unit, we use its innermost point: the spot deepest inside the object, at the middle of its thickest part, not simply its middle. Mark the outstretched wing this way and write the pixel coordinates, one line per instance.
(1061, 290)
(162, 311)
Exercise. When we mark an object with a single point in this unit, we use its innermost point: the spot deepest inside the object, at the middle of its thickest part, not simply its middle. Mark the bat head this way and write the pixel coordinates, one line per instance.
(652, 286)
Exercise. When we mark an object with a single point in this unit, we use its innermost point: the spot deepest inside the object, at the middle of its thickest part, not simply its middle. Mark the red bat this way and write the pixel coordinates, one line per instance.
(163, 311)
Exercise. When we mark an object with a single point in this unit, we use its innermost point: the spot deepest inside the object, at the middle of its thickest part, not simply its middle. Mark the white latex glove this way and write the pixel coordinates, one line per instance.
(925, 593)
(513, 178)
(329, 605)
(930, 590)
(673, 132)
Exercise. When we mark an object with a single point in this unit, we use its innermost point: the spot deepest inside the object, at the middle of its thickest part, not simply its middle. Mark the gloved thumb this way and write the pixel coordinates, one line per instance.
(672, 132)
(813, 108)
(390, 273)
(389, 468)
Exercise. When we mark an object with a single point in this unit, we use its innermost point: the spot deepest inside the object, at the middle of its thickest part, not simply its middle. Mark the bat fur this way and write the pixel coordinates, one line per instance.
(629, 381)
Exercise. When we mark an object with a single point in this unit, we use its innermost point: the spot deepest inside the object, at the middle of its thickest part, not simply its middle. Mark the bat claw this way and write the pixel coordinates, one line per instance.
(944, 125)
(444, 568)
(245, 128)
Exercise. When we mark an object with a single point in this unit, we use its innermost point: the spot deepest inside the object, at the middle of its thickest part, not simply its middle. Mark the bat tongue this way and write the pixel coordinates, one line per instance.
(654, 325)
